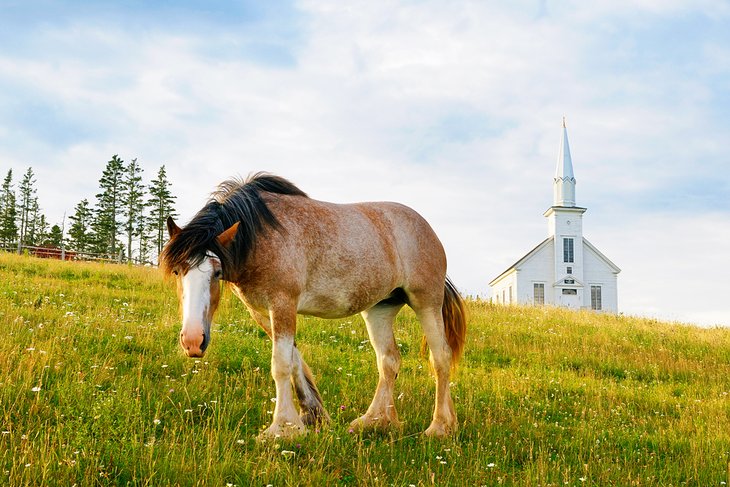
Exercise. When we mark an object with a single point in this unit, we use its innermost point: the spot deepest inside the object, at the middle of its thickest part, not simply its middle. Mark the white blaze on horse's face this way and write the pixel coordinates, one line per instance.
(199, 292)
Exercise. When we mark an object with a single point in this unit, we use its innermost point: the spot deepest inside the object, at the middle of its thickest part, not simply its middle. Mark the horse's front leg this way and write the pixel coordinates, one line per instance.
(310, 400)
(286, 422)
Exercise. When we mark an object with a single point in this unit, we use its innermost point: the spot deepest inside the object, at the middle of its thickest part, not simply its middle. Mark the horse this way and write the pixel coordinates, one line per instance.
(283, 253)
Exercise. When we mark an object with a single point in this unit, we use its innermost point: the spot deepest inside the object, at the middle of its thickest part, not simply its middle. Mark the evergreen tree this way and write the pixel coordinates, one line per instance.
(161, 206)
(106, 222)
(80, 235)
(54, 237)
(8, 212)
(27, 200)
(132, 202)
(37, 225)
(144, 237)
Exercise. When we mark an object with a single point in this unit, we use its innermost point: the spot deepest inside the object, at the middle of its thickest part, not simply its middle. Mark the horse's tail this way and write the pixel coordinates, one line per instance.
(454, 314)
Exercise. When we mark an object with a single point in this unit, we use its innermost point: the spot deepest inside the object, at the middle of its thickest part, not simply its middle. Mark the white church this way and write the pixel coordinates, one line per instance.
(565, 269)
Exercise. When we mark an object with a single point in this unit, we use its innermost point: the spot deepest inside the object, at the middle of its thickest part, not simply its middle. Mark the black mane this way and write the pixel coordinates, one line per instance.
(234, 201)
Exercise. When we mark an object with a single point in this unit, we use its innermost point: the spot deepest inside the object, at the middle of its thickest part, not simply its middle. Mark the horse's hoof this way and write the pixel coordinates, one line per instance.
(315, 417)
(439, 430)
(366, 422)
(284, 431)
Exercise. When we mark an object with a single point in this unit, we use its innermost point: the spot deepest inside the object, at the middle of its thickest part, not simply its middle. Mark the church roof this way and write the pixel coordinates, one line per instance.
(540, 246)
(616, 269)
(524, 259)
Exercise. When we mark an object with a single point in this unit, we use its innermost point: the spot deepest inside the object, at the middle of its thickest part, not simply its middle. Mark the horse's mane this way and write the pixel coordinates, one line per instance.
(235, 200)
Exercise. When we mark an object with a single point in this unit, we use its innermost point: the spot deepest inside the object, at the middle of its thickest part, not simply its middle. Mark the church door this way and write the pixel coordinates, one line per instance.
(569, 298)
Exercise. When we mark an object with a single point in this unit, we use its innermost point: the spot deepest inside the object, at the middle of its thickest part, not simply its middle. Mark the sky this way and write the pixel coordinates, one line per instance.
(451, 107)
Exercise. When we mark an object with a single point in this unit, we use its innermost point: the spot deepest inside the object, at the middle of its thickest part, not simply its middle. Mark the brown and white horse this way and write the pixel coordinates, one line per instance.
(284, 253)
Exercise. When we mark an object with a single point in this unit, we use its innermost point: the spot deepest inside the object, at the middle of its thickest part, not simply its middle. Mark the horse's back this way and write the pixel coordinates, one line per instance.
(348, 257)
(415, 240)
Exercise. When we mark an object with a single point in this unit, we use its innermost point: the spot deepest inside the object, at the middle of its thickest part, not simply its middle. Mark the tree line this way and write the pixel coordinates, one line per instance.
(126, 221)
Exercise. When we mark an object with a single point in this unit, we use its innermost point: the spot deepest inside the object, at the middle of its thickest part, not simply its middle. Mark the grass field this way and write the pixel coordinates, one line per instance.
(95, 391)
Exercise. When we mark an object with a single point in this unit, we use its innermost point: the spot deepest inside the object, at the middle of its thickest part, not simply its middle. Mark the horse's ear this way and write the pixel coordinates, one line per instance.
(172, 227)
(227, 236)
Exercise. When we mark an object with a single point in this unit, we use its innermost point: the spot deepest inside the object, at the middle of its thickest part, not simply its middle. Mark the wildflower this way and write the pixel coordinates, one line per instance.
(490, 465)
(128, 337)
(241, 442)
(288, 453)
(156, 421)
(36, 389)
(188, 411)
(342, 407)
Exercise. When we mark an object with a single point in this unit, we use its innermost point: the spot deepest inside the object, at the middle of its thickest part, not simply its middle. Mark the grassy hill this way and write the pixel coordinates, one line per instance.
(94, 391)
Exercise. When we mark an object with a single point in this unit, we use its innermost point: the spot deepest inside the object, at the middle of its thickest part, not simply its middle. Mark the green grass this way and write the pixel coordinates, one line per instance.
(95, 391)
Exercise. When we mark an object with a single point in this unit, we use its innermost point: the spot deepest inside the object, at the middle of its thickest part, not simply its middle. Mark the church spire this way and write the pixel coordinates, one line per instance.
(564, 181)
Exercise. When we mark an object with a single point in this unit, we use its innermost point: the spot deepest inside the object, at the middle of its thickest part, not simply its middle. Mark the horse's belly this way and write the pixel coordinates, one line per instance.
(337, 304)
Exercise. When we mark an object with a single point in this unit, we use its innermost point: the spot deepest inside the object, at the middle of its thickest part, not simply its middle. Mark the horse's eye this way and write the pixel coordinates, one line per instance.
(218, 274)
(175, 272)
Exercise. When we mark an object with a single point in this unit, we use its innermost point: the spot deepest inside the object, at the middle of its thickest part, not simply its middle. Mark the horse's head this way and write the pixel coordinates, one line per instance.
(198, 289)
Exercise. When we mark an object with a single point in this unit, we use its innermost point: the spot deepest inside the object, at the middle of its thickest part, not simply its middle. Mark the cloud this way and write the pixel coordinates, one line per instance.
(451, 107)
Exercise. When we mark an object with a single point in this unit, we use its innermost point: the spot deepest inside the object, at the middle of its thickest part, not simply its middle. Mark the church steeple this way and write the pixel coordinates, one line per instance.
(564, 181)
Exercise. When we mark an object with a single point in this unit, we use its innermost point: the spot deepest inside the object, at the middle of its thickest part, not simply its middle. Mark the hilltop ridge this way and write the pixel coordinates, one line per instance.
(93, 388)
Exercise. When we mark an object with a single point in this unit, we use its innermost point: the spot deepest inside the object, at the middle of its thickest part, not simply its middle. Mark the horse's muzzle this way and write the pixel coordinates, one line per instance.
(194, 345)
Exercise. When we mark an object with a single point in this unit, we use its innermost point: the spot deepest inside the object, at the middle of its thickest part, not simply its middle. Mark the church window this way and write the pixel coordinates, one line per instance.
(538, 291)
(570, 292)
(570, 281)
(596, 298)
(503, 296)
(510, 294)
(569, 270)
(568, 250)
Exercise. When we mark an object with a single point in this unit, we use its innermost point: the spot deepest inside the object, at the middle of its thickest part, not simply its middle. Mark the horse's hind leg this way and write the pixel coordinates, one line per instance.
(382, 412)
(444, 416)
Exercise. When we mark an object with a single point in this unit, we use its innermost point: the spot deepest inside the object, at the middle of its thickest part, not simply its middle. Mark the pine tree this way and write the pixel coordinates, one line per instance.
(80, 235)
(37, 225)
(161, 206)
(132, 202)
(26, 201)
(8, 212)
(108, 209)
(54, 237)
(144, 237)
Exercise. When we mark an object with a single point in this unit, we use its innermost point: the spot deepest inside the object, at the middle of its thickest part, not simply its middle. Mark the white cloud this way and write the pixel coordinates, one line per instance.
(451, 107)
